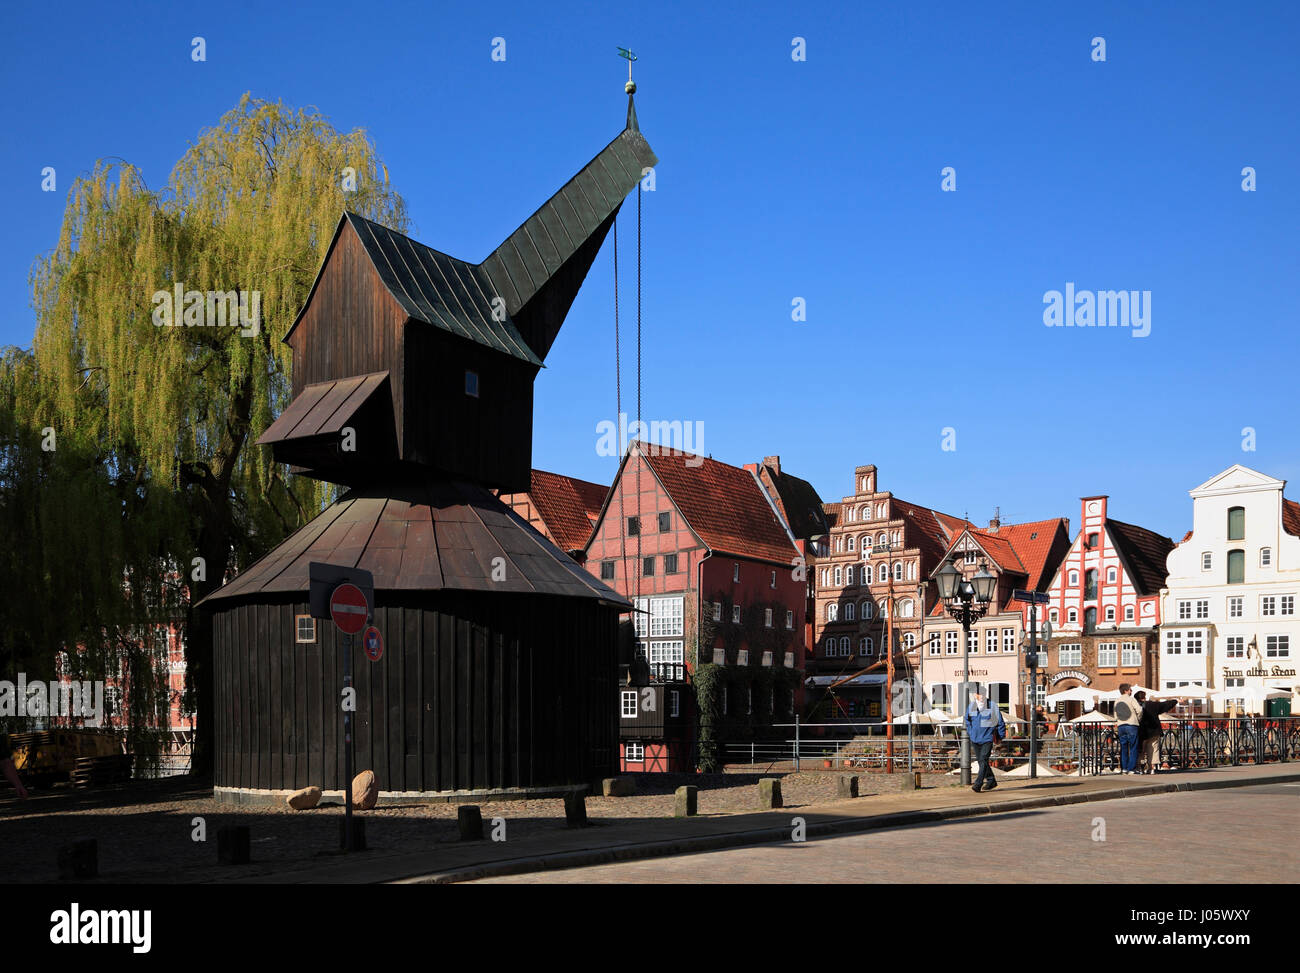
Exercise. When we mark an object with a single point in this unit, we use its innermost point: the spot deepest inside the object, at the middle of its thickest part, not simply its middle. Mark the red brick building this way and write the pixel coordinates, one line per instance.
(699, 548)
(871, 577)
(563, 509)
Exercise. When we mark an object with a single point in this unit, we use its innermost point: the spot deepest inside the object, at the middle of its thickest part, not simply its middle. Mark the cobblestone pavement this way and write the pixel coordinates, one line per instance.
(1212, 836)
(145, 830)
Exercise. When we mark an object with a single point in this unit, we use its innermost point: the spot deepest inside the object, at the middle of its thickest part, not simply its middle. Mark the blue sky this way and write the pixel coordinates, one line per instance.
(780, 179)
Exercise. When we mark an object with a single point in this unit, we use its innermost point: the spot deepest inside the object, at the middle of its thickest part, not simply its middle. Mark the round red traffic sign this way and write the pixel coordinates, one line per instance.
(348, 608)
(373, 643)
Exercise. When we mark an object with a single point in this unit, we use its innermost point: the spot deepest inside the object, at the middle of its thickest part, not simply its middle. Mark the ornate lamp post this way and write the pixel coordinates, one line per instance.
(967, 602)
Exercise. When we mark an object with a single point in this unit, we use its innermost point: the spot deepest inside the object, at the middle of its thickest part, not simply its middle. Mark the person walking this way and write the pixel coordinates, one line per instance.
(984, 727)
(1128, 713)
(1150, 730)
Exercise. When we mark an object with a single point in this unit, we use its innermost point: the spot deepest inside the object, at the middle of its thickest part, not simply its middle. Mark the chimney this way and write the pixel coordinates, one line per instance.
(996, 522)
(774, 462)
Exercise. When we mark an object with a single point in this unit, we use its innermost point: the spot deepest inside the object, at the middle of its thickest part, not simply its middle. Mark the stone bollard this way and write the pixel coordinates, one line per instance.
(618, 786)
(686, 800)
(79, 859)
(233, 844)
(847, 785)
(470, 821)
(769, 793)
(909, 782)
(358, 833)
(575, 810)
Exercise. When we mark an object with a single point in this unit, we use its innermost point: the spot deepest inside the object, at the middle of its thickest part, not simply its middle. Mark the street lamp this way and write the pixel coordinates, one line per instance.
(1030, 645)
(967, 602)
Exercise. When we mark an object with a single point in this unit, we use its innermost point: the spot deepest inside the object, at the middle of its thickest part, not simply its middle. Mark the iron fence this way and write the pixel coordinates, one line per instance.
(1205, 743)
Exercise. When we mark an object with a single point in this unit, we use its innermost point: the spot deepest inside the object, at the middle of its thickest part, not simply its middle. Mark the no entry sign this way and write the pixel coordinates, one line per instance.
(373, 643)
(348, 608)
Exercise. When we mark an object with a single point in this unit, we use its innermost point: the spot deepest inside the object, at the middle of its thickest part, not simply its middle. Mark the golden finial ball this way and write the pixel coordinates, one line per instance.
(630, 87)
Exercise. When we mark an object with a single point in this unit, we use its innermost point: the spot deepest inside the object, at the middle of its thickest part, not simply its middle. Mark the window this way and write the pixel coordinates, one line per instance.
(941, 693)
(1054, 616)
(1235, 566)
(735, 573)
(1092, 541)
(634, 753)
(629, 704)
(848, 575)
(606, 570)
(1207, 561)
(1008, 640)
(665, 522)
(1090, 584)
(1072, 616)
(909, 640)
(1265, 556)
(1234, 607)
(867, 545)
(674, 703)
(1072, 655)
(670, 564)
(990, 640)
(735, 614)
(898, 570)
(833, 612)
(844, 645)
(1195, 642)
(660, 617)
(726, 700)
(471, 384)
(883, 573)
(1131, 654)
(767, 618)
(1128, 613)
(1268, 605)
(1184, 609)
(868, 609)
(1074, 579)
(866, 646)
(1110, 575)
(772, 582)
(972, 641)
(1236, 647)
(1202, 609)
(1286, 605)
(648, 567)
(970, 557)
(1173, 643)
(667, 653)
(633, 526)
(789, 619)
(950, 642)
(848, 612)
(906, 608)
(306, 628)
(717, 611)
(1110, 613)
(839, 577)
(933, 643)
(1236, 523)
(851, 541)
(1278, 647)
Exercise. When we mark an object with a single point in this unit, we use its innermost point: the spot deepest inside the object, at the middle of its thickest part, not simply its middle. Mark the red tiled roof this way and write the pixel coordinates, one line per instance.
(1033, 543)
(1291, 516)
(999, 548)
(568, 506)
(723, 504)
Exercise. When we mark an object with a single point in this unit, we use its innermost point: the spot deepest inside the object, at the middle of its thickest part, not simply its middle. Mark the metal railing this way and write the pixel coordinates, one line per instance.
(1206, 743)
(926, 754)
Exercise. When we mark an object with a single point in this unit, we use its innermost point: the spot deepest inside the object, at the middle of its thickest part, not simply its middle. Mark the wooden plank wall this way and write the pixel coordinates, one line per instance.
(479, 694)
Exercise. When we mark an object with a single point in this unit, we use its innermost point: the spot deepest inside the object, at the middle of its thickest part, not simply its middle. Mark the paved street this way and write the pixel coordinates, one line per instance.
(1234, 835)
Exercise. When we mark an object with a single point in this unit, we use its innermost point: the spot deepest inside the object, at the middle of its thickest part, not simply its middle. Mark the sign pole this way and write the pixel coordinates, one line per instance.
(347, 746)
(1033, 704)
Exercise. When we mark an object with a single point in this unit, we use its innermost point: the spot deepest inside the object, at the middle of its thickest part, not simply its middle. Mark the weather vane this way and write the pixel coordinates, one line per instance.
(630, 87)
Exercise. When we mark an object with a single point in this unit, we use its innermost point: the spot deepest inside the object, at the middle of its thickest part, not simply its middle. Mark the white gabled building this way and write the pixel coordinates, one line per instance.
(1229, 609)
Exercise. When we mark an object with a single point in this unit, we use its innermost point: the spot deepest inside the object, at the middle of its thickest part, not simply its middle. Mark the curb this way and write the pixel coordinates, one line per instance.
(740, 839)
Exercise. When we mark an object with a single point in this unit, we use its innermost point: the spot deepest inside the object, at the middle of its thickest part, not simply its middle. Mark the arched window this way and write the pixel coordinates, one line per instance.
(909, 640)
(867, 607)
(1236, 567)
(866, 646)
(905, 608)
(911, 570)
(1090, 584)
(883, 608)
(866, 544)
(880, 511)
(832, 612)
(865, 512)
(848, 575)
(844, 645)
(1236, 523)
(839, 544)
(883, 573)
(897, 538)
(848, 612)
(881, 538)
(852, 542)
(898, 570)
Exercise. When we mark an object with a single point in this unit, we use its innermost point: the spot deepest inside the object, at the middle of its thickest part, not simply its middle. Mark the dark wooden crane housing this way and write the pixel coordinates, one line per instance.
(413, 386)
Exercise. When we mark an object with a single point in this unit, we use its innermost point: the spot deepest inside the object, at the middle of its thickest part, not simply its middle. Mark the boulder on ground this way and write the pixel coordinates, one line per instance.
(365, 790)
(305, 799)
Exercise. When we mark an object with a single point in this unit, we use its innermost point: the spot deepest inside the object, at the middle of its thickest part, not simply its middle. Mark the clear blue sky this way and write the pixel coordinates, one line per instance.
(781, 179)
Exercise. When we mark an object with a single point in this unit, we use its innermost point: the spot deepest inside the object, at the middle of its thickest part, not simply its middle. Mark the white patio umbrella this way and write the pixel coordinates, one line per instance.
(1115, 693)
(1252, 696)
(1185, 692)
(1094, 717)
(939, 716)
(1079, 694)
(913, 718)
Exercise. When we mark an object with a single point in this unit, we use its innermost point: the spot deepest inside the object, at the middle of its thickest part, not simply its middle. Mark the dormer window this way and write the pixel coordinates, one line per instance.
(471, 383)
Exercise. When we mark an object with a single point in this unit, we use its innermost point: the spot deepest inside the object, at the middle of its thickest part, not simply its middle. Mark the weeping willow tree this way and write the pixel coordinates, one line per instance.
(164, 413)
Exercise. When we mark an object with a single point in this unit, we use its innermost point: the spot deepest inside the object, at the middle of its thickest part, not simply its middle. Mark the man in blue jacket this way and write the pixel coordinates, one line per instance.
(985, 727)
